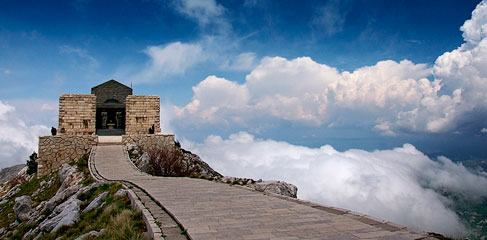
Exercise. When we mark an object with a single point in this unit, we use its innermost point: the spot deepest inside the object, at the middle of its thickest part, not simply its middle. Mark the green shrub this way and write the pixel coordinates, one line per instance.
(169, 162)
(32, 164)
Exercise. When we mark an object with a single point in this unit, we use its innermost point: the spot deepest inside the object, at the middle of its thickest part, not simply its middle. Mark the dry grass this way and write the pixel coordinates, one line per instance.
(121, 226)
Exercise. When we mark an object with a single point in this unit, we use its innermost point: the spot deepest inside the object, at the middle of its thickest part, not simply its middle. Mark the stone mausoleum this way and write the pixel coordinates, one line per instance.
(110, 109)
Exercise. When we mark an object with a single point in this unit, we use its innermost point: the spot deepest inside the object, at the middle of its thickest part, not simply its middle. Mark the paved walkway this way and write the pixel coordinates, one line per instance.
(210, 210)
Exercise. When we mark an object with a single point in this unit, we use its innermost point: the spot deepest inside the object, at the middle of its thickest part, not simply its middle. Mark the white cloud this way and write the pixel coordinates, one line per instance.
(213, 95)
(385, 128)
(391, 96)
(475, 29)
(483, 130)
(81, 53)
(18, 139)
(48, 107)
(303, 90)
(166, 115)
(4, 109)
(204, 11)
(35, 111)
(330, 18)
(171, 59)
(242, 62)
(396, 185)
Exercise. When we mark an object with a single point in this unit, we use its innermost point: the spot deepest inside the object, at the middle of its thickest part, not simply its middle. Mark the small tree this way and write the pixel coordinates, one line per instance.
(32, 164)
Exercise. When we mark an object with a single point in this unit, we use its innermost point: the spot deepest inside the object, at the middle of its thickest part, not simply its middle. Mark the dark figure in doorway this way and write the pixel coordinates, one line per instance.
(104, 118)
(151, 130)
(53, 131)
(118, 119)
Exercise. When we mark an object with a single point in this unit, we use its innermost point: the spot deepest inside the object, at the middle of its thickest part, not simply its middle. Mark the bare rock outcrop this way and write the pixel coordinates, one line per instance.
(23, 208)
(65, 214)
(91, 235)
(143, 162)
(194, 160)
(96, 202)
(277, 187)
(48, 216)
(70, 178)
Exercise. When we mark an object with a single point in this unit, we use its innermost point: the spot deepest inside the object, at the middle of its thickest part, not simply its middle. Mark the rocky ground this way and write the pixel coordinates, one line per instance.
(191, 161)
(68, 204)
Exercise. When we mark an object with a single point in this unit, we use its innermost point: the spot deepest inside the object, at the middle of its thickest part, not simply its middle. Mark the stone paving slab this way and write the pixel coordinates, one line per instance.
(210, 210)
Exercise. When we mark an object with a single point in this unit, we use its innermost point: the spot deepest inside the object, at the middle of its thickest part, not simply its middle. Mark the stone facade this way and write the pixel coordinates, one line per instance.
(141, 112)
(56, 150)
(77, 114)
(149, 142)
(78, 117)
(111, 94)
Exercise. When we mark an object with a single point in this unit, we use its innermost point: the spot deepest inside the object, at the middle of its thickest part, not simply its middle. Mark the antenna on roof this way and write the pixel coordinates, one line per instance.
(131, 84)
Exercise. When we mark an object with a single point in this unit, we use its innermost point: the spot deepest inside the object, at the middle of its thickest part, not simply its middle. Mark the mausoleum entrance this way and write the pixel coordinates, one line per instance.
(110, 121)
(110, 108)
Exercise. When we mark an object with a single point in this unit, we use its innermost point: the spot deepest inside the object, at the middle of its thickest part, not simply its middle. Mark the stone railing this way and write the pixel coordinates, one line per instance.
(149, 142)
(56, 150)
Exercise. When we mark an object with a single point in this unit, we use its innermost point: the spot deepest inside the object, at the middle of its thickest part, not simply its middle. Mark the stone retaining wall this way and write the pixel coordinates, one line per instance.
(141, 112)
(77, 114)
(149, 142)
(56, 150)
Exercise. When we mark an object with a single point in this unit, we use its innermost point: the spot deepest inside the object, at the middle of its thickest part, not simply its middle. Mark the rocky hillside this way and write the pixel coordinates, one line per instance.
(10, 172)
(179, 162)
(68, 204)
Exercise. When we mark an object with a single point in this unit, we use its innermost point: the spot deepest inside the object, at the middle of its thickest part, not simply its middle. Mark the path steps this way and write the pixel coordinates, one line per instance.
(210, 210)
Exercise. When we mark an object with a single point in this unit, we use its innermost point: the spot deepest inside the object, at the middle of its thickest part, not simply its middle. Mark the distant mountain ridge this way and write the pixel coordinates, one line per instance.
(9, 172)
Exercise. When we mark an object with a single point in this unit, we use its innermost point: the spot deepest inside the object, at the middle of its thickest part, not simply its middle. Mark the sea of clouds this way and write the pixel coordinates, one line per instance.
(399, 185)
(18, 139)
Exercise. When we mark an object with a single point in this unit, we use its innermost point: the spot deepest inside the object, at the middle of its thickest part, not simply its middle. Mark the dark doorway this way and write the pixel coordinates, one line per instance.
(110, 107)
(110, 121)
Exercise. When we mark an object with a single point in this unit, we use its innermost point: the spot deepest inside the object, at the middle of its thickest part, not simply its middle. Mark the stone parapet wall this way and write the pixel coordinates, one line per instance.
(149, 142)
(56, 150)
(77, 114)
(141, 112)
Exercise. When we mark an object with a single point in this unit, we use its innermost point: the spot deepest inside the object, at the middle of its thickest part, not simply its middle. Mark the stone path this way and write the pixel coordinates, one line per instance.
(209, 210)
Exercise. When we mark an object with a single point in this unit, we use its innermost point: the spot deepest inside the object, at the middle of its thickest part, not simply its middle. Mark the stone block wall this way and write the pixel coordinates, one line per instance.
(56, 150)
(77, 114)
(149, 142)
(141, 112)
(111, 90)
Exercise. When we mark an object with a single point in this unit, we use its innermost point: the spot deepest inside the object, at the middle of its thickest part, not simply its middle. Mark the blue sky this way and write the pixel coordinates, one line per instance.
(49, 48)
(355, 102)
(114, 34)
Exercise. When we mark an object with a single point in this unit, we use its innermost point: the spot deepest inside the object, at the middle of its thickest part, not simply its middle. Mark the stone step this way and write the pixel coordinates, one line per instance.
(109, 140)
(109, 143)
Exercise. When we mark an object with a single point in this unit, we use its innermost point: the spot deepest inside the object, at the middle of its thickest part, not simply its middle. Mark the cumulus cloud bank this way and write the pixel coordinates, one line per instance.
(18, 139)
(394, 95)
(396, 185)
